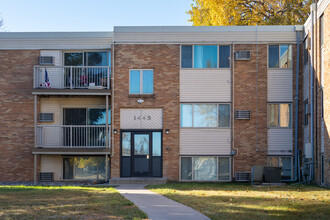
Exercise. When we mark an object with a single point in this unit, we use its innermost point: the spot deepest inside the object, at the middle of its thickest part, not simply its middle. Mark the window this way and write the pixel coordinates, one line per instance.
(86, 58)
(285, 163)
(84, 168)
(279, 56)
(141, 82)
(205, 115)
(305, 52)
(205, 168)
(205, 56)
(306, 112)
(279, 115)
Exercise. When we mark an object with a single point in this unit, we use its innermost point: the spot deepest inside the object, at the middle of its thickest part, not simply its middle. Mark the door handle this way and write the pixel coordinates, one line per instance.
(147, 156)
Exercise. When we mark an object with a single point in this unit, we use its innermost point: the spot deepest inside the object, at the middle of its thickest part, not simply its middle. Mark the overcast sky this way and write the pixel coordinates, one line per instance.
(91, 15)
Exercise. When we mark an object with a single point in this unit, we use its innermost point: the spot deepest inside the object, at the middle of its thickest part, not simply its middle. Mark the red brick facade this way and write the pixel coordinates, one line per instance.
(164, 60)
(17, 114)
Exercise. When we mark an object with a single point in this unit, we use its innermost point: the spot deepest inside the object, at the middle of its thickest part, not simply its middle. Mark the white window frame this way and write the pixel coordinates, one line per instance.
(279, 56)
(279, 115)
(141, 82)
(218, 56)
(216, 127)
(217, 167)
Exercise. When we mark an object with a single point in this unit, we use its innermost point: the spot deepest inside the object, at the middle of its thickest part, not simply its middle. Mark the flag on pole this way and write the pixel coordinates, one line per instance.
(47, 83)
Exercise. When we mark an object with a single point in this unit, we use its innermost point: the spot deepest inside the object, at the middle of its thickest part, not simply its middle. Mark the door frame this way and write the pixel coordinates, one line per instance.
(141, 131)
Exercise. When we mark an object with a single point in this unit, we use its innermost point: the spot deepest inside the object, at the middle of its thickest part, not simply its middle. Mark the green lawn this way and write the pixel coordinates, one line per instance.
(239, 201)
(68, 202)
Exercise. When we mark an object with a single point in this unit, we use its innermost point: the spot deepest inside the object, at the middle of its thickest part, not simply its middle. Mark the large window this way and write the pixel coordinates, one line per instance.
(84, 168)
(205, 115)
(141, 82)
(280, 56)
(86, 58)
(205, 168)
(305, 52)
(205, 56)
(285, 163)
(279, 115)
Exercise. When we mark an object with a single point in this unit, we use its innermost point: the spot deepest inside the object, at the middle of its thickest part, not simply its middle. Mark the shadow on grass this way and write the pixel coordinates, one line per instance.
(227, 207)
(23, 202)
(235, 187)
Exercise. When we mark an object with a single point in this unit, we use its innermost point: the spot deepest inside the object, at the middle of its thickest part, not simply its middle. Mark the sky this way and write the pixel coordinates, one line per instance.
(91, 15)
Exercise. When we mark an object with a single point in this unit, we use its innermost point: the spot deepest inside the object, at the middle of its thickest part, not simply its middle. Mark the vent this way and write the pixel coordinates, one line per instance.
(46, 60)
(242, 114)
(46, 177)
(242, 176)
(46, 117)
(242, 55)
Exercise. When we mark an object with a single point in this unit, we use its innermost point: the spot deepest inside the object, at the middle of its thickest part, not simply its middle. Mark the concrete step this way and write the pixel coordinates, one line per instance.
(138, 180)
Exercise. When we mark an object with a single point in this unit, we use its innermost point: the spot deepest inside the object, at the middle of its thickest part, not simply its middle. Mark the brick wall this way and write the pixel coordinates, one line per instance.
(17, 114)
(164, 59)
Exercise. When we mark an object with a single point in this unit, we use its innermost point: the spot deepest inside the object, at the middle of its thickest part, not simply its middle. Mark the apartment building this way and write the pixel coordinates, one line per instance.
(176, 103)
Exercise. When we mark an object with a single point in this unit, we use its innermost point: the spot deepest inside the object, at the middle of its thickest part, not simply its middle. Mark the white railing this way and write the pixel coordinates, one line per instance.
(72, 136)
(72, 77)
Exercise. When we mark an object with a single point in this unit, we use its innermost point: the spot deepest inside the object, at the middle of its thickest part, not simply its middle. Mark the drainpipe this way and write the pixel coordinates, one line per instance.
(313, 7)
(233, 108)
(297, 165)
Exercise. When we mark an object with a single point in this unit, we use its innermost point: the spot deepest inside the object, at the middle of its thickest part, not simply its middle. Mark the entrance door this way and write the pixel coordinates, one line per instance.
(141, 154)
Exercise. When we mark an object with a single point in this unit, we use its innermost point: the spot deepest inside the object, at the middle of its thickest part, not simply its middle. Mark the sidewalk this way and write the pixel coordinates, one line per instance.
(156, 206)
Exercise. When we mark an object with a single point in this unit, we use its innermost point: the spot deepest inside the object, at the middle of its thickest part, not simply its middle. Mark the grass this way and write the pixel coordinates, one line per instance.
(239, 201)
(68, 202)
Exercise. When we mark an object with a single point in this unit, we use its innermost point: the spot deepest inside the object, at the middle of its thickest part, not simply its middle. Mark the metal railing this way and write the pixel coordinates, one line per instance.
(72, 136)
(71, 77)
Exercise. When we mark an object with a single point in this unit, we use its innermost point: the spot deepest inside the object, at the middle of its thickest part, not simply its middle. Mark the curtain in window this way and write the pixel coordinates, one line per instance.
(273, 115)
(205, 56)
(285, 117)
(148, 81)
(186, 115)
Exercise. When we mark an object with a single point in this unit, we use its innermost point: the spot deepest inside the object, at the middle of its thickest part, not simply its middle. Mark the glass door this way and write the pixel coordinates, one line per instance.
(141, 154)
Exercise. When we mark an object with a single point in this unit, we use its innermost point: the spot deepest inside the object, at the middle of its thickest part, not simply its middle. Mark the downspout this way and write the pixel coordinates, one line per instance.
(112, 97)
(313, 6)
(233, 109)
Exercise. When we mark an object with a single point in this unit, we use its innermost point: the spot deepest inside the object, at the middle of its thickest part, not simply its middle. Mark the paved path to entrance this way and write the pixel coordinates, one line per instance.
(156, 206)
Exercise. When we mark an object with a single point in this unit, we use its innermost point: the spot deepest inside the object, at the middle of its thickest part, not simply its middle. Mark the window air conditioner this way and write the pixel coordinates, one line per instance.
(46, 117)
(46, 60)
(242, 55)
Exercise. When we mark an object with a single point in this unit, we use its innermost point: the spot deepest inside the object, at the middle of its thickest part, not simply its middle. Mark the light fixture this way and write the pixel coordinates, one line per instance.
(140, 101)
(115, 131)
(167, 131)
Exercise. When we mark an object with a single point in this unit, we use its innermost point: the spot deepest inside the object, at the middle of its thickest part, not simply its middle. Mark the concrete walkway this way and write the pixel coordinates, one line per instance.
(156, 206)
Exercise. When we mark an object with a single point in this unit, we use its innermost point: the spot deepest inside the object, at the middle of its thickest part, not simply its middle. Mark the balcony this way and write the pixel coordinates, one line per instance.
(71, 77)
(72, 136)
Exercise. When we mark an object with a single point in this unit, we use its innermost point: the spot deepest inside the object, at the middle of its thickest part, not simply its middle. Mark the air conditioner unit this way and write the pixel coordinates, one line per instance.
(242, 176)
(46, 60)
(46, 177)
(242, 114)
(308, 150)
(242, 55)
(46, 117)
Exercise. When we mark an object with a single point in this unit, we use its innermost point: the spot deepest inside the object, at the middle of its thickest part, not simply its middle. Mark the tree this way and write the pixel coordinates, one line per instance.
(249, 12)
(2, 24)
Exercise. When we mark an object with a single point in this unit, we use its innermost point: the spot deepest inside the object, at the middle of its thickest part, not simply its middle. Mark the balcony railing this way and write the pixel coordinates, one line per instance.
(72, 136)
(71, 77)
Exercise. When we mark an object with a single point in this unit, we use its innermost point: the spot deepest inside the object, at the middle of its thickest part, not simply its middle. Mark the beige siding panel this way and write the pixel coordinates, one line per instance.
(56, 105)
(280, 85)
(205, 85)
(306, 82)
(141, 118)
(55, 40)
(205, 141)
(322, 67)
(306, 135)
(52, 164)
(280, 141)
